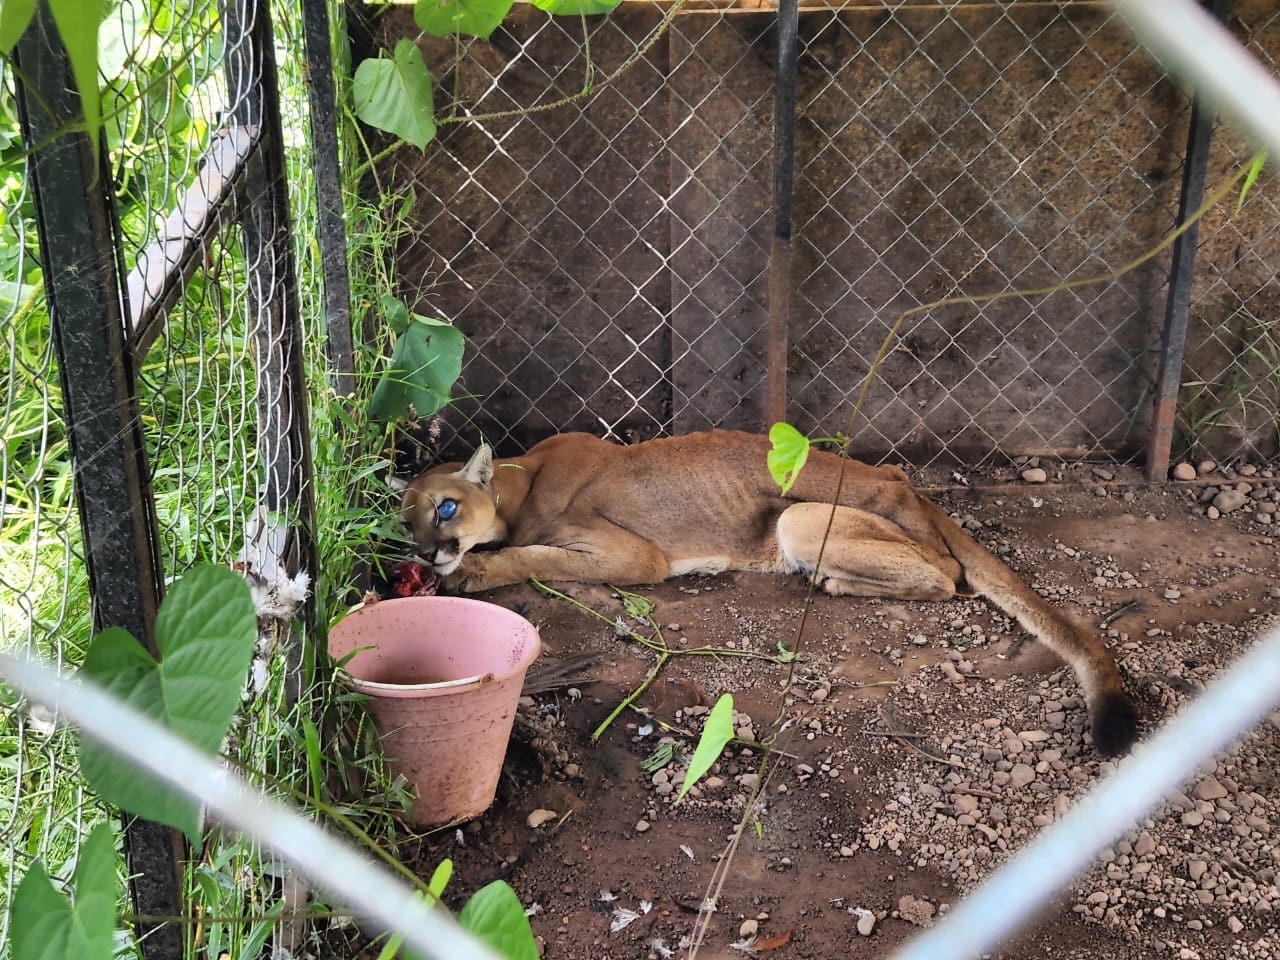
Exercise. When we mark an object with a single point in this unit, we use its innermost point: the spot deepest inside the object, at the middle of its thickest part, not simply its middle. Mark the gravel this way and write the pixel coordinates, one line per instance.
(1206, 859)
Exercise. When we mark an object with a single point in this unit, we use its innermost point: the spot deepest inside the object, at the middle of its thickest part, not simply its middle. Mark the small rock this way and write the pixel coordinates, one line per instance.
(919, 912)
(1184, 471)
(1228, 500)
(571, 770)
(1193, 818)
(749, 928)
(1145, 845)
(819, 695)
(1173, 593)
(1212, 513)
(1206, 466)
(1034, 475)
(1235, 925)
(641, 826)
(539, 817)
(1102, 473)
(1021, 775)
(866, 923)
(1196, 869)
(1209, 789)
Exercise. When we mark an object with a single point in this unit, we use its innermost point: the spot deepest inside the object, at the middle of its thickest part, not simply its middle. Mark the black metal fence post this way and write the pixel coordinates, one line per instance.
(283, 427)
(79, 253)
(1173, 337)
(331, 229)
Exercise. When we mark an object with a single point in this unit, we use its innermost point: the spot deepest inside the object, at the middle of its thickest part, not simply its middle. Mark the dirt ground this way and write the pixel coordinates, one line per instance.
(861, 837)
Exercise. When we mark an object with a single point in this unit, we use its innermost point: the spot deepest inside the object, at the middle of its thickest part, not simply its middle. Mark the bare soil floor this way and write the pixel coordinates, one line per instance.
(864, 837)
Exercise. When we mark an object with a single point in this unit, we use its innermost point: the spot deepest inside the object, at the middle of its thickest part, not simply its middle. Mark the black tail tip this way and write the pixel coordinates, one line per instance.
(1115, 724)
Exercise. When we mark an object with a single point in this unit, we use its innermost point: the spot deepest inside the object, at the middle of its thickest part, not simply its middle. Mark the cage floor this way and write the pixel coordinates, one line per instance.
(856, 820)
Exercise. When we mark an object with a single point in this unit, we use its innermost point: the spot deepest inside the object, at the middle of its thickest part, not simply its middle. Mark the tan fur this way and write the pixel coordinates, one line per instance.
(579, 508)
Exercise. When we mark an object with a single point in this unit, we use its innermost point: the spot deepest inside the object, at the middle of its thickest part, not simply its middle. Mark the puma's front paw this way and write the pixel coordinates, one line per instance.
(471, 576)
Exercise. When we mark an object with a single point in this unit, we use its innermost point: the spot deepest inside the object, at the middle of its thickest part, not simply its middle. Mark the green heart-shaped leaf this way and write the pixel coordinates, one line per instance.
(788, 452)
(15, 15)
(78, 22)
(205, 632)
(495, 915)
(444, 18)
(425, 364)
(575, 8)
(47, 927)
(395, 95)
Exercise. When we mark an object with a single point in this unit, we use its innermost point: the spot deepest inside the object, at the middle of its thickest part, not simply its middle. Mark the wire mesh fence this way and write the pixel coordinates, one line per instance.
(42, 577)
(194, 179)
(1231, 384)
(610, 264)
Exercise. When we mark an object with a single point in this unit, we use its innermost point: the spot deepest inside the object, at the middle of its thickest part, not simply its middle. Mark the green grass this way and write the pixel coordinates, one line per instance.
(1233, 407)
(46, 606)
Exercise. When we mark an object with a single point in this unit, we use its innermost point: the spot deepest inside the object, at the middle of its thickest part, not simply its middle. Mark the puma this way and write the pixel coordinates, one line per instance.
(576, 507)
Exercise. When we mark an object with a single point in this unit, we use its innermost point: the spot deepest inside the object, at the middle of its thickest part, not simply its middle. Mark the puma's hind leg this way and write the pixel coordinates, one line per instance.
(865, 555)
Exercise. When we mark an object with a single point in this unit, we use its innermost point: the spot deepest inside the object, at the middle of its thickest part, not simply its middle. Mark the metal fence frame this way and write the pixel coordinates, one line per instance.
(1195, 45)
(95, 332)
(104, 320)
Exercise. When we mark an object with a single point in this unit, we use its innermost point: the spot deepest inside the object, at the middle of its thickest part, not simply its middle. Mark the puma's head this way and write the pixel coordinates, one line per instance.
(449, 511)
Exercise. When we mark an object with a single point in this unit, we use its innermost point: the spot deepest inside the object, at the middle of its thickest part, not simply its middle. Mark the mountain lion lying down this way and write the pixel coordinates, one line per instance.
(580, 508)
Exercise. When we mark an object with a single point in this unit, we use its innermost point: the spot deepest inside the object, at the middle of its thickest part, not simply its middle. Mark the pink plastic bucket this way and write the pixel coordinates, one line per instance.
(444, 675)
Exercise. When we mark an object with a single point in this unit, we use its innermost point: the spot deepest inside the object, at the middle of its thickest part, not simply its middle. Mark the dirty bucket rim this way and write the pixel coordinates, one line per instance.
(448, 686)
(438, 686)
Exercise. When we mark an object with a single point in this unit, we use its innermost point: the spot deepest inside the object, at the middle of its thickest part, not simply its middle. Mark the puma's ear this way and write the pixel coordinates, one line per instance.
(479, 469)
(408, 498)
(398, 485)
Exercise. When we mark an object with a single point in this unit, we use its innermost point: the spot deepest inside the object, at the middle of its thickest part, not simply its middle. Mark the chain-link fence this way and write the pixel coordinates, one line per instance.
(163, 370)
(611, 263)
(1231, 384)
(615, 267)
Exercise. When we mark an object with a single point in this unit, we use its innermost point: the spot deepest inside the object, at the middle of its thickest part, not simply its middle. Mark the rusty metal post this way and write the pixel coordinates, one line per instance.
(1173, 338)
(784, 156)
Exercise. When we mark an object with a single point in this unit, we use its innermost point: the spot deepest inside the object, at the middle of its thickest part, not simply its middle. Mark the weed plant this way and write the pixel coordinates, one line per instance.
(1235, 402)
(198, 408)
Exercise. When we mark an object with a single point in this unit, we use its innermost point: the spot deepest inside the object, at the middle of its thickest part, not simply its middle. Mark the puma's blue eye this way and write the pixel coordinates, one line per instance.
(447, 509)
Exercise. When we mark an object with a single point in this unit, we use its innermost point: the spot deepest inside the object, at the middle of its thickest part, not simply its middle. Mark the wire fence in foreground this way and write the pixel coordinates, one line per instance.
(1013, 896)
(986, 918)
(1195, 47)
(343, 871)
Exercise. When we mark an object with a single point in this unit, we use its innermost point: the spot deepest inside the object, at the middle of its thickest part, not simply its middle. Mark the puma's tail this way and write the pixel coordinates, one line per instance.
(1112, 713)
